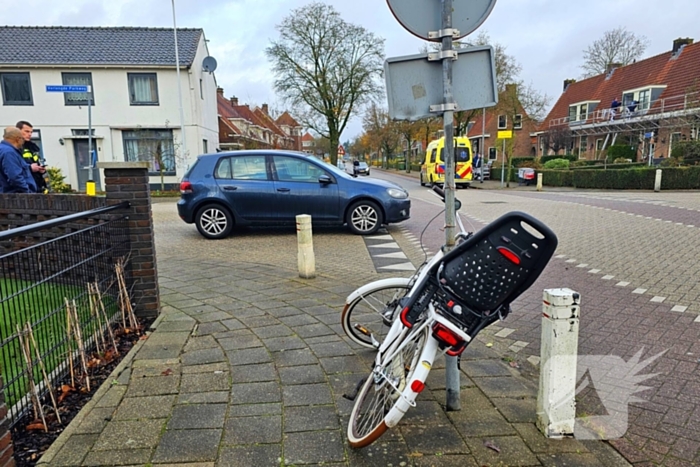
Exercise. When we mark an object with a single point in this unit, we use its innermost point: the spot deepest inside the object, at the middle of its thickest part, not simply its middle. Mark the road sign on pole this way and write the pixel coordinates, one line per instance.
(414, 83)
(90, 185)
(425, 20)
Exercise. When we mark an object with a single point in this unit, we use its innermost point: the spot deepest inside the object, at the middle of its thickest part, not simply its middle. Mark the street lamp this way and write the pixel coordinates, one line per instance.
(179, 83)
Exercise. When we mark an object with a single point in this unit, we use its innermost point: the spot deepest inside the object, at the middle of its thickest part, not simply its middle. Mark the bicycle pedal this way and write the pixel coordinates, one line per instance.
(363, 330)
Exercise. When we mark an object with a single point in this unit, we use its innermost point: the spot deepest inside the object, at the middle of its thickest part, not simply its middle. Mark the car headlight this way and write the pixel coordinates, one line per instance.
(397, 193)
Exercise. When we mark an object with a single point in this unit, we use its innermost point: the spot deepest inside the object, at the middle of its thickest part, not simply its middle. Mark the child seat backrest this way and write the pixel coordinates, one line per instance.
(499, 262)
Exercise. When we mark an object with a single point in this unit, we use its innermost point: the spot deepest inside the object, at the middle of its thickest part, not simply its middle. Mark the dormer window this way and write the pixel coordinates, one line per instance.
(579, 111)
(640, 99)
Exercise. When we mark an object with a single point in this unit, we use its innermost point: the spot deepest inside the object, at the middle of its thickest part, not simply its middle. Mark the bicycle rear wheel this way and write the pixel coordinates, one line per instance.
(364, 316)
(382, 390)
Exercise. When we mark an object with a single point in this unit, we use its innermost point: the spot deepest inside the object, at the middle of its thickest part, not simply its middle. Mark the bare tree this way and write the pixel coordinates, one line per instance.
(326, 68)
(616, 46)
(557, 139)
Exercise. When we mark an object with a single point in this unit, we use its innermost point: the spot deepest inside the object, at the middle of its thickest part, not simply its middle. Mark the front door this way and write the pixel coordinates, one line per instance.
(82, 161)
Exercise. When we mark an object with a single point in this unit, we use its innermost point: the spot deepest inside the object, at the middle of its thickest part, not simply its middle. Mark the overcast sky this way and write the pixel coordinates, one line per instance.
(546, 37)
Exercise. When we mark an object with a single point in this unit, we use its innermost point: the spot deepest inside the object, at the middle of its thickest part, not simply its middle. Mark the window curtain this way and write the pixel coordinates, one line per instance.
(143, 88)
(152, 146)
(77, 80)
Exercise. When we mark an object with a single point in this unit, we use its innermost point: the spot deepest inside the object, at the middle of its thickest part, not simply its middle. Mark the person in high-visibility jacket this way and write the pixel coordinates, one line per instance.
(32, 156)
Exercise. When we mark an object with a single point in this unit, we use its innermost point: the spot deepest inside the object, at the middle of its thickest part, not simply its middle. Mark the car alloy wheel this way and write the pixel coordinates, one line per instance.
(364, 218)
(214, 222)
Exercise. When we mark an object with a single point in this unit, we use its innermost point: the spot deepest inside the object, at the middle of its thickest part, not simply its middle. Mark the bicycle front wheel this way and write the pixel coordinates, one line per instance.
(382, 390)
(364, 314)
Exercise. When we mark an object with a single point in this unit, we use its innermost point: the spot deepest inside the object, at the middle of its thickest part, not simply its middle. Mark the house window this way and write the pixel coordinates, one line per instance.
(493, 154)
(205, 146)
(77, 79)
(675, 139)
(153, 146)
(16, 89)
(143, 88)
(201, 89)
(583, 147)
(572, 113)
(502, 122)
(644, 100)
(583, 112)
(518, 122)
(599, 144)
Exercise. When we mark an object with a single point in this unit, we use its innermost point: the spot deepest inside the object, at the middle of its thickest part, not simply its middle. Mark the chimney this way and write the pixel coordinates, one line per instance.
(264, 109)
(234, 100)
(611, 66)
(220, 91)
(567, 83)
(680, 42)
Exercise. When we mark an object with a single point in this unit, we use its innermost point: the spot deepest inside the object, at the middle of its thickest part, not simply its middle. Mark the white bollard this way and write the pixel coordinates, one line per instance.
(306, 260)
(657, 180)
(556, 407)
(539, 181)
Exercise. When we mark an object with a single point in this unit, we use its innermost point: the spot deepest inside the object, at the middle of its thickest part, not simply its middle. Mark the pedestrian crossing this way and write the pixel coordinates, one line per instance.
(386, 254)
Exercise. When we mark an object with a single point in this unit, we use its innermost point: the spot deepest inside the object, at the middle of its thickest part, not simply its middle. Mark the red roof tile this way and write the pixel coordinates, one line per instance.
(286, 119)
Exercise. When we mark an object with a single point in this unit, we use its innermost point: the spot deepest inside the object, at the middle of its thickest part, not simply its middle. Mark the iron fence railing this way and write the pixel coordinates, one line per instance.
(40, 277)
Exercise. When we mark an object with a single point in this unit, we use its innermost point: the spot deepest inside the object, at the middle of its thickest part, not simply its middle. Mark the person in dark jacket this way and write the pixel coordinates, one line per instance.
(15, 173)
(32, 156)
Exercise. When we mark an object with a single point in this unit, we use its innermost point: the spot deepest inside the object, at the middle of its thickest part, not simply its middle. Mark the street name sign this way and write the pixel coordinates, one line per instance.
(64, 88)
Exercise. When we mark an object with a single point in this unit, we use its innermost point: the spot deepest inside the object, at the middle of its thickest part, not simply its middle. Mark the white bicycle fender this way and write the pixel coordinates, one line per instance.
(408, 396)
(390, 282)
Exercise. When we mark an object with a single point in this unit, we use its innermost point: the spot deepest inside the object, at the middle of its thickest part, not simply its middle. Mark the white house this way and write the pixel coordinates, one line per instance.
(135, 111)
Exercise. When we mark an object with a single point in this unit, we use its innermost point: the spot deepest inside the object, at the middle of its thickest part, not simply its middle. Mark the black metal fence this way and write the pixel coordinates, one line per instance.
(45, 269)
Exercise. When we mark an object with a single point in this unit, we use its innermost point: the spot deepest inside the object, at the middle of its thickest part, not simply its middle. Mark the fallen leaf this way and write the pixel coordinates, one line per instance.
(490, 344)
(35, 426)
(416, 454)
(491, 445)
(167, 372)
(514, 364)
(143, 338)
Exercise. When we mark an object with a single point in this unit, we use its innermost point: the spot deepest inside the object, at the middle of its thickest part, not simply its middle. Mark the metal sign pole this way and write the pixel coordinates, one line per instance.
(90, 184)
(503, 167)
(451, 363)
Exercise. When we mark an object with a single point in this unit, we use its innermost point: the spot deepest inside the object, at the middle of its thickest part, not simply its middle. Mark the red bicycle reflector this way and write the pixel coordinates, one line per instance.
(510, 256)
(404, 318)
(417, 386)
(445, 336)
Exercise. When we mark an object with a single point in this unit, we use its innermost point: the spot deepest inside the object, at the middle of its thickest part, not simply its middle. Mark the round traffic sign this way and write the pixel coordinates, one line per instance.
(420, 17)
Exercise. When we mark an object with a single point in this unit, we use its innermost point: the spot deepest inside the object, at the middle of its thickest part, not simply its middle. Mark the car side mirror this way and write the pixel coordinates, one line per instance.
(325, 179)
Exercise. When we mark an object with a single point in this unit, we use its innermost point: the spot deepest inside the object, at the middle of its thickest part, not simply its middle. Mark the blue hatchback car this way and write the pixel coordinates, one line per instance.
(271, 187)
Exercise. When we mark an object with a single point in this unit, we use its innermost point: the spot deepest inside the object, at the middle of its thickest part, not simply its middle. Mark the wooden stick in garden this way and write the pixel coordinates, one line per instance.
(70, 343)
(106, 318)
(122, 306)
(38, 409)
(47, 382)
(97, 334)
(81, 346)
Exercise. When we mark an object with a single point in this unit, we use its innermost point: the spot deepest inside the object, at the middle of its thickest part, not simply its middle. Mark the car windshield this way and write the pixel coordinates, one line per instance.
(362, 165)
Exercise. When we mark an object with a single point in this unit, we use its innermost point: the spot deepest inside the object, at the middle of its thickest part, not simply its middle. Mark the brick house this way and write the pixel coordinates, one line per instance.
(241, 127)
(509, 114)
(659, 101)
(308, 143)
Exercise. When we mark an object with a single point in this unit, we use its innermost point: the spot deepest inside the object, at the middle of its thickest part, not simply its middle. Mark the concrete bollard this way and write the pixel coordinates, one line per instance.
(306, 260)
(539, 182)
(556, 406)
(657, 180)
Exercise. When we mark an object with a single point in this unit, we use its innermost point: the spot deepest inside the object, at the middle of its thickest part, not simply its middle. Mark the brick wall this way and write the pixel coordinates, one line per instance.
(128, 181)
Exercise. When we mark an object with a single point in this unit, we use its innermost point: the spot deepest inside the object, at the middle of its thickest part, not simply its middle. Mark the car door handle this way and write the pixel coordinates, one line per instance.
(230, 188)
(284, 190)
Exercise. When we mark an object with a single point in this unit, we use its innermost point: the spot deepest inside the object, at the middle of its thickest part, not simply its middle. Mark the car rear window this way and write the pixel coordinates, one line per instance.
(242, 168)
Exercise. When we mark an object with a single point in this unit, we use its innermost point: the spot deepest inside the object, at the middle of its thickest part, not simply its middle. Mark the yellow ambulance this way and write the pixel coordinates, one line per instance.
(433, 169)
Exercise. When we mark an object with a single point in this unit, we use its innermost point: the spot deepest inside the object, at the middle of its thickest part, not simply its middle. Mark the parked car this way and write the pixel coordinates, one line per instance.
(266, 187)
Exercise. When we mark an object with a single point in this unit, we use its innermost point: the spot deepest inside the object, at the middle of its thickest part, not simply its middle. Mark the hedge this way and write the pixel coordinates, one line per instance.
(569, 157)
(622, 151)
(642, 178)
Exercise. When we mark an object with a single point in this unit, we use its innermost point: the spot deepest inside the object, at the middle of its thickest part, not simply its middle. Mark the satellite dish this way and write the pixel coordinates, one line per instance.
(209, 64)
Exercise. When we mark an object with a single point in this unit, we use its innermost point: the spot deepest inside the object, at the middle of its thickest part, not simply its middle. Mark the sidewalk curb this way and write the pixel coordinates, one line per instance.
(72, 426)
